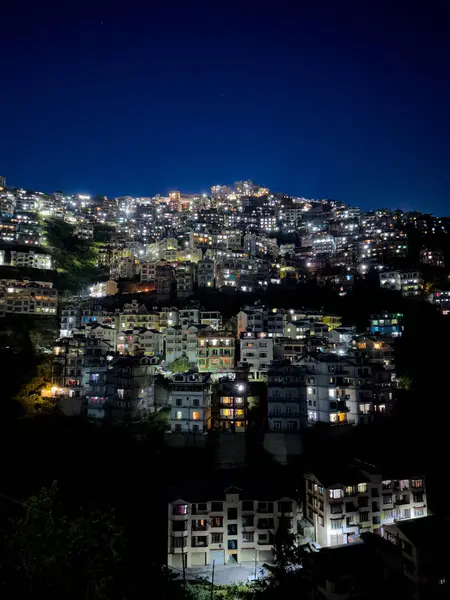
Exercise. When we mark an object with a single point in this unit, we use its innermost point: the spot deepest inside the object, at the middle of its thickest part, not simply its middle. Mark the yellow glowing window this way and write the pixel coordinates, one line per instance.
(362, 345)
(195, 415)
(239, 424)
(239, 412)
(362, 487)
(227, 400)
(227, 412)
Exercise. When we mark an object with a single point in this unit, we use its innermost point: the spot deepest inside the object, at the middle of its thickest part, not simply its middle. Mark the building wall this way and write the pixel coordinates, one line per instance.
(226, 531)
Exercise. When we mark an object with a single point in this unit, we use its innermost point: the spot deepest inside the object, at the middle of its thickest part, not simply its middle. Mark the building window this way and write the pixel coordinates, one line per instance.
(179, 525)
(179, 542)
(217, 538)
(232, 544)
(417, 483)
(217, 522)
(263, 538)
(196, 402)
(180, 509)
(248, 536)
(336, 523)
(232, 529)
(179, 402)
(179, 414)
(362, 487)
(337, 493)
(232, 514)
(195, 415)
(363, 517)
(216, 506)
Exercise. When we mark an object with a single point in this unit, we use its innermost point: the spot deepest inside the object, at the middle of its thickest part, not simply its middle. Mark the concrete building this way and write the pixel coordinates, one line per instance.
(386, 324)
(345, 502)
(182, 341)
(30, 259)
(257, 353)
(215, 351)
(27, 297)
(70, 320)
(286, 398)
(148, 272)
(229, 528)
(129, 387)
(432, 257)
(212, 318)
(190, 403)
(205, 273)
(104, 288)
(164, 280)
(147, 342)
(407, 282)
(423, 547)
(184, 278)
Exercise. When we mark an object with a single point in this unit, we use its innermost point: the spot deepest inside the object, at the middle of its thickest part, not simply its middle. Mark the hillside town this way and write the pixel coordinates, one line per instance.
(246, 323)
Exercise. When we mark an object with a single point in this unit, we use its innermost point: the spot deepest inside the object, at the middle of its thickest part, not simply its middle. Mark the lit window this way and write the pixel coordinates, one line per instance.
(336, 493)
(362, 487)
(195, 415)
(179, 414)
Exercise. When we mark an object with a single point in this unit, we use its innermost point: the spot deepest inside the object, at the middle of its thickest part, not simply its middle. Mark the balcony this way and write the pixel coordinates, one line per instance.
(402, 501)
(200, 527)
(200, 543)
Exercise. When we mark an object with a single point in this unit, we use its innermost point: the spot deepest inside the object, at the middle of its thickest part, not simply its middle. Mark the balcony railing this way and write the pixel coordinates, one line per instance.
(200, 544)
(200, 527)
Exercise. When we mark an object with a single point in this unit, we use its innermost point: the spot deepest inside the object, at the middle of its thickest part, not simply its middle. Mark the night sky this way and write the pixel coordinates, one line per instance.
(338, 99)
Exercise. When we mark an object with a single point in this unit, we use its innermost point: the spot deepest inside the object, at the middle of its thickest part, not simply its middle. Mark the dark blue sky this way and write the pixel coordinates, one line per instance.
(339, 99)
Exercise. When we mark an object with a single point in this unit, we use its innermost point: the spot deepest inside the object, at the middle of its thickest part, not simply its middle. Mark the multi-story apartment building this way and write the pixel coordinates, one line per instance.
(190, 402)
(27, 297)
(188, 316)
(286, 399)
(257, 353)
(70, 320)
(442, 300)
(343, 503)
(30, 259)
(423, 550)
(230, 410)
(213, 318)
(229, 528)
(432, 257)
(148, 342)
(184, 277)
(148, 272)
(182, 341)
(123, 268)
(215, 351)
(98, 331)
(205, 273)
(129, 386)
(164, 280)
(386, 324)
(338, 389)
(406, 282)
(104, 288)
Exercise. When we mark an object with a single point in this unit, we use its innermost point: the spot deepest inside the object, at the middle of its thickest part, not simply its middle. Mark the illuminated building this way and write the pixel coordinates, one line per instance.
(104, 288)
(27, 297)
(342, 503)
(257, 353)
(232, 526)
(215, 351)
(190, 403)
(206, 273)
